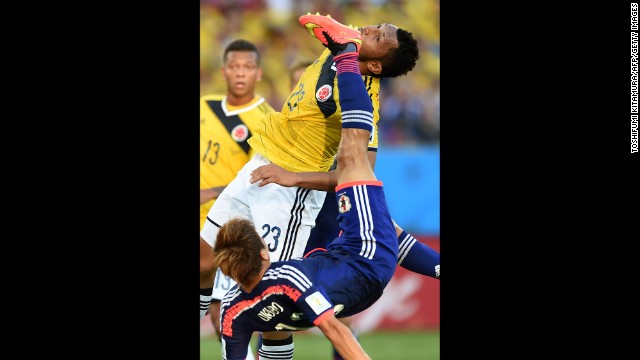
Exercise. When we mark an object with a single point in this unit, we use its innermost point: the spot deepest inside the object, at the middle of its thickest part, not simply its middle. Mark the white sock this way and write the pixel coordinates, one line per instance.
(205, 300)
(276, 349)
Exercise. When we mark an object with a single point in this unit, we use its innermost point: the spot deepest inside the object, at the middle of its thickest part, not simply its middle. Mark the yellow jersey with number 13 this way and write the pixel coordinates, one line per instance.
(224, 130)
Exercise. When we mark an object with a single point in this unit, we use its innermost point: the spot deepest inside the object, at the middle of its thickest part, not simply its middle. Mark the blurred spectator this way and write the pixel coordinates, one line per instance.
(401, 112)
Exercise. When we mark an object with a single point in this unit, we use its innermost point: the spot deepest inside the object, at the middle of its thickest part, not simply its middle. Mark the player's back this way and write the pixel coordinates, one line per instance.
(275, 303)
(304, 136)
(348, 280)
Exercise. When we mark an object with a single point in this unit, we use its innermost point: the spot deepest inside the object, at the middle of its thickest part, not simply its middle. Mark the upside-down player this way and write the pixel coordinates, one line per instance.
(413, 255)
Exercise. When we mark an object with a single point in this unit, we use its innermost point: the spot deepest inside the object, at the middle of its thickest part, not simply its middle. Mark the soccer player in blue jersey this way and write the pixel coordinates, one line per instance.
(342, 281)
(413, 255)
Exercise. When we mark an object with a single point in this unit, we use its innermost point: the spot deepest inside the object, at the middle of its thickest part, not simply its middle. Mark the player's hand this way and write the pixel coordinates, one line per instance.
(272, 173)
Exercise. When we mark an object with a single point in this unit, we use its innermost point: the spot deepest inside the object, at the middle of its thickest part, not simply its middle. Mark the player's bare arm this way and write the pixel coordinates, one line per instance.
(324, 181)
(210, 193)
(272, 173)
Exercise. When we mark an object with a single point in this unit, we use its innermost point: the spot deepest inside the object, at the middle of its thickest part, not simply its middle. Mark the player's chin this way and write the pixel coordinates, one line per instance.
(240, 92)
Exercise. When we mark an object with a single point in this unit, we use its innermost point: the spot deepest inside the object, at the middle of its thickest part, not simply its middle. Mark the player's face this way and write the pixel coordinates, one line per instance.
(241, 72)
(377, 40)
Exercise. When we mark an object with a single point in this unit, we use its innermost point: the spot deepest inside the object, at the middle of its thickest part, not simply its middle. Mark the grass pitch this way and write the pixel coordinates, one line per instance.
(410, 345)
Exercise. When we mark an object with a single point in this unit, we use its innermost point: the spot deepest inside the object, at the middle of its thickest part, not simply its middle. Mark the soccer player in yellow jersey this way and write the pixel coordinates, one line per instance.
(226, 122)
(304, 137)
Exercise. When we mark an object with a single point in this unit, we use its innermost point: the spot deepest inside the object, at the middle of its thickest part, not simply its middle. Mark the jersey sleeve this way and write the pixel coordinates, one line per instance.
(373, 139)
(315, 305)
(309, 298)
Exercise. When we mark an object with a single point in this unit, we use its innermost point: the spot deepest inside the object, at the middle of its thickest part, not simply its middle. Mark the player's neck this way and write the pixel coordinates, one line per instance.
(239, 100)
(256, 280)
(363, 67)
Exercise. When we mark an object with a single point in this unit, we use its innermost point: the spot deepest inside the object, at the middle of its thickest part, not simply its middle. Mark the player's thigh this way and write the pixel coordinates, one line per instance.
(232, 202)
(284, 217)
(207, 261)
(326, 228)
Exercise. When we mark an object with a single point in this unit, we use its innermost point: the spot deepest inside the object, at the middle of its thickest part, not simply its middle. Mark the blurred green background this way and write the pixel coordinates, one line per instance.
(411, 345)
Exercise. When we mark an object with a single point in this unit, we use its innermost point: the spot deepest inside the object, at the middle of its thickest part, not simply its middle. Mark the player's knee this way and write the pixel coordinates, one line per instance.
(346, 320)
(398, 228)
(276, 335)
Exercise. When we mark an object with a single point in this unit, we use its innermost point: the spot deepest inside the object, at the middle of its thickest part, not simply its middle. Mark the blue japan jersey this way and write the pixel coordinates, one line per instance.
(285, 299)
(300, 293)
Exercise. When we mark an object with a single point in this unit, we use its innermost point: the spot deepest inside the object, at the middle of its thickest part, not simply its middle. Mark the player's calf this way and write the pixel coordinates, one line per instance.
(352, 161)
(281, 349)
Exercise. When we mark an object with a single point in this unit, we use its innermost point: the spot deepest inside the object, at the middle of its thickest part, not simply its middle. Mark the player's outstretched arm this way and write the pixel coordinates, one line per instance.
(272, 173)
(323, 181)
(342, 339)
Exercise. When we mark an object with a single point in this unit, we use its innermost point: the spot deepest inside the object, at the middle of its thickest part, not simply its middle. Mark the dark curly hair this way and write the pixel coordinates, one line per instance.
(403, 59)
(240, 45)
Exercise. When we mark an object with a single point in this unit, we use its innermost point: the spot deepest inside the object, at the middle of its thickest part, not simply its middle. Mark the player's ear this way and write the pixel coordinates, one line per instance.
(374, 66)
(264, 254)
(259, 74)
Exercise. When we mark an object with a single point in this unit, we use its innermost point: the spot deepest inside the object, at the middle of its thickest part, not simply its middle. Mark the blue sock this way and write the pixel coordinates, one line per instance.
(336, 354)
(417, 257)
(205, 301)
(357, 110)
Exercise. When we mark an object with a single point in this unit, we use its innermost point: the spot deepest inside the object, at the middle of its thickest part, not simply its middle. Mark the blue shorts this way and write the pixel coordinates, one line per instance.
(326, 228)
(358, 264)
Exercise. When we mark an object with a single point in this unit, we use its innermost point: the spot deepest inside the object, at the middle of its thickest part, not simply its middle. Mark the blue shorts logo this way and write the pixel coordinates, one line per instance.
(344, 204)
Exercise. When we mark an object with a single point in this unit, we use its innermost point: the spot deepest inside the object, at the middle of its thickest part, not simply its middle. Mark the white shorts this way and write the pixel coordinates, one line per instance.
(221, 285)
(283, 216)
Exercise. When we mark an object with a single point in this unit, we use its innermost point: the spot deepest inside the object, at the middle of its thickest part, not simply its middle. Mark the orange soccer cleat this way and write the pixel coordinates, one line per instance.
(339, 33)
